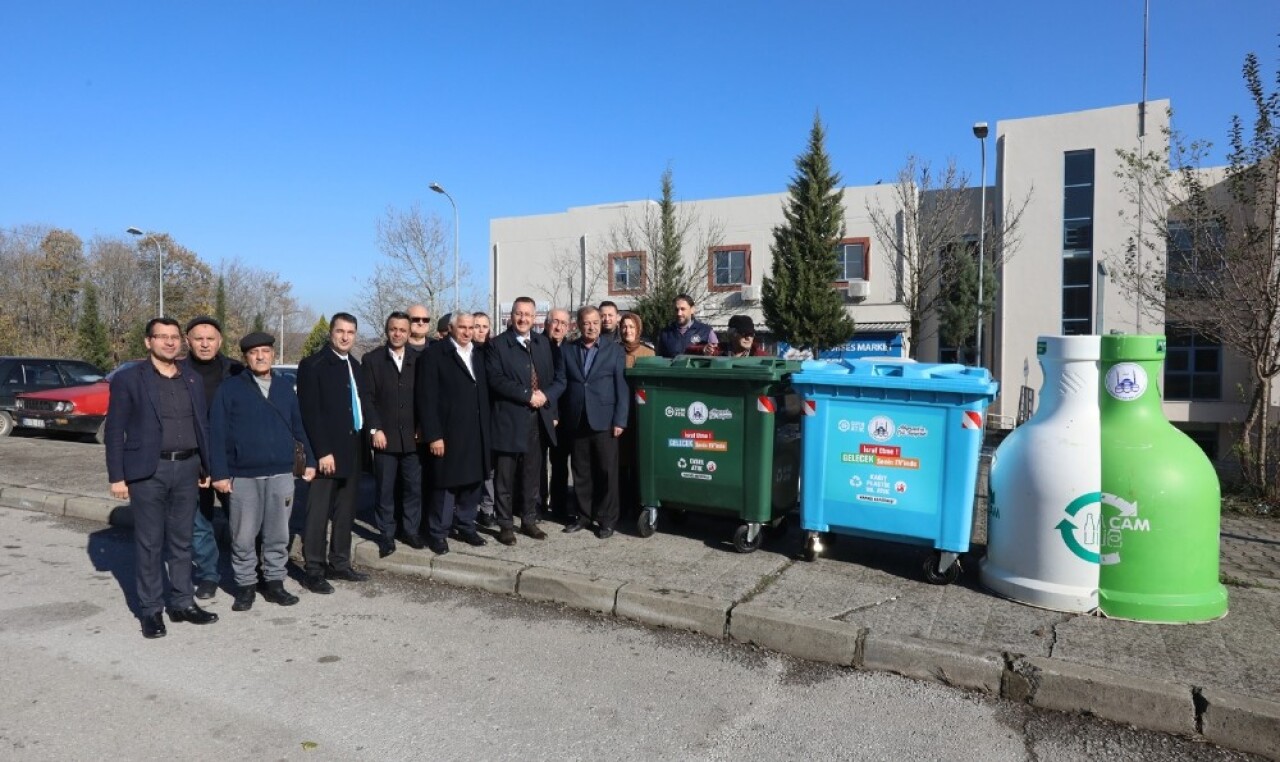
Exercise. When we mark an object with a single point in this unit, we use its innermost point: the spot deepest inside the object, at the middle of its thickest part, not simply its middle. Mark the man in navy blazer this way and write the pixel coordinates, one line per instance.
(157, 450)
(526, 377)
(593, 411)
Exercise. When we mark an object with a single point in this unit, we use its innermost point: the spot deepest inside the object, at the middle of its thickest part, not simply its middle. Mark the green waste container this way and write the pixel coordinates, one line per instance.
(718, 436)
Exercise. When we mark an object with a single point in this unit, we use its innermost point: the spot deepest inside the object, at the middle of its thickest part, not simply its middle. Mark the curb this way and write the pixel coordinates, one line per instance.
(1224, 718)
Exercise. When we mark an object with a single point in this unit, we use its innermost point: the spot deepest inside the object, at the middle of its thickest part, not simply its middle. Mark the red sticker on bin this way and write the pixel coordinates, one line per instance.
(972, 420)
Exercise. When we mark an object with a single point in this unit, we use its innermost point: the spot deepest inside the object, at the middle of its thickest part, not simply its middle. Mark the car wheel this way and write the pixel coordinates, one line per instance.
(6, 424)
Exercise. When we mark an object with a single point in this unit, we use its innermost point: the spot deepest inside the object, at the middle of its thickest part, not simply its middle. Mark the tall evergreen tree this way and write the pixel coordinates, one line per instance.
(259, 322)
(666, 272)
(91, 335)
(958, 305)
(220, 308)
(317, 338)
(800, 304)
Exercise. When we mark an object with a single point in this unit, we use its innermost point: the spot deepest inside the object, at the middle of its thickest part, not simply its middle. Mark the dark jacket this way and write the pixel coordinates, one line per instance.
(228, 367)
(324, 395)
(509, 368)
(454, 407)
(132, 432)
(251, 435)
(391, 392)
(671, 342)
(601, 395)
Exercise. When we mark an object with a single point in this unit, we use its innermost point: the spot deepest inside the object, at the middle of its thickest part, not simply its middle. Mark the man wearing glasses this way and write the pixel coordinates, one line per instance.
(157, 458)
(419, 328)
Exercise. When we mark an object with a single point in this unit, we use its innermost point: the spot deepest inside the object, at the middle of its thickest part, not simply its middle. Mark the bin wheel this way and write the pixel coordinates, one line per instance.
(933, 576)
(812, 547)
(742, 544)
(647, 521)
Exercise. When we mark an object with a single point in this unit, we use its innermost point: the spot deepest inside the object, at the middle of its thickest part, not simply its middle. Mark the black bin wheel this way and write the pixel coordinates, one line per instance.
(645, 522)
(933, 576)
(810, 553)
(742, 544)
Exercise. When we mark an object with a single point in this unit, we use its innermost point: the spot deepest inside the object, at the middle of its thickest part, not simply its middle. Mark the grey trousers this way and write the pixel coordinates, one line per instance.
(261, 505)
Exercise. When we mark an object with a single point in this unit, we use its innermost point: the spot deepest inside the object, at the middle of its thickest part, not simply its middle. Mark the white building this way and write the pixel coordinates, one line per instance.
(1065, 167)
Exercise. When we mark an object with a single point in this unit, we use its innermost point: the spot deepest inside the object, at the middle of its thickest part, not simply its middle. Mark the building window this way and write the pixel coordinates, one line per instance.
(1195, 260)
(1077, 243)
(626, 272)
(1206, 438)
(1192, 366)
(853, 259)
(728, 267)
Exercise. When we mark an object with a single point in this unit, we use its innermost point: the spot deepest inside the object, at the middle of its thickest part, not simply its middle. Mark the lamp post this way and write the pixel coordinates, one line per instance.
(440, 189)
(980, 132)
(160, 273)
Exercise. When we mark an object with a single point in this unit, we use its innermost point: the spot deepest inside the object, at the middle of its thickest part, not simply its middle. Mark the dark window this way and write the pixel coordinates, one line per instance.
(80, 372)
(1077, 242)
(728, 267)
(1208, 441)
(1193, 367)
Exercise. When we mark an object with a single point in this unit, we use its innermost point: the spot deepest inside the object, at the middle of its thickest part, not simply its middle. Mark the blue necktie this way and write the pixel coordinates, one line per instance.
(358, 420)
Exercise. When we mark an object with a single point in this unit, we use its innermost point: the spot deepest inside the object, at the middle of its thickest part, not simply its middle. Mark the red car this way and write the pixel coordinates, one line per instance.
(75, 409)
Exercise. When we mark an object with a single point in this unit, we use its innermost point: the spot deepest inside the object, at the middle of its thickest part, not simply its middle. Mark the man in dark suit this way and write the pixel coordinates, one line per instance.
(525, 379)
(157, 457)
(555, 477)
(389, 373)
(334, 411)
(453, 410)
(593, 413)
(205, 359)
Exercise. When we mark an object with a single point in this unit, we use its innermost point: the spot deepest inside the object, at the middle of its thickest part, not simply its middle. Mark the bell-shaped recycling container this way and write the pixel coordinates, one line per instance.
(1044, 503)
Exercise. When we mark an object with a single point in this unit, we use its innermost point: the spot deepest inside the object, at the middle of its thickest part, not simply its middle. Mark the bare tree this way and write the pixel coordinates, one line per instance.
(1220, 229)
(933, 212)
(570, 282)
(416, 266)
(114, 266)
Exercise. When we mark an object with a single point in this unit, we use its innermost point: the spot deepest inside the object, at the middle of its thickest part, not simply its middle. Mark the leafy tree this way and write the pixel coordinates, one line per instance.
(91, 341)
(317, 338)
(259, 324)
(957, 309)
(662, 234)
(801, 306)
(1220, 229)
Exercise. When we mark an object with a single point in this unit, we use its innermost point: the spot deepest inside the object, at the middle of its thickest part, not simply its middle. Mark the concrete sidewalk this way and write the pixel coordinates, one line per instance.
(863, 605)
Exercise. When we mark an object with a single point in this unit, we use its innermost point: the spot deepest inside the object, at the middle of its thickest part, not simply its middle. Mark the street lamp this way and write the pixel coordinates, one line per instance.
(439, 189)
(980, 132)
(160, 274)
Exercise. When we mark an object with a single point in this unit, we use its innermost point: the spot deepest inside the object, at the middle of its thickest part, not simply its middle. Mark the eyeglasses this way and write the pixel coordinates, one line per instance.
(420, 319)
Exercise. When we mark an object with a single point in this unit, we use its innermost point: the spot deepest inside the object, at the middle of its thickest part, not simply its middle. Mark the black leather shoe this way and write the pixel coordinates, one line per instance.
(275, 593)
(386, 548)
(439, 547)
(604, 533)
(507, 536)
(472, 539)
(153, 626)
(316, 583)
(193, 614)
(484, 519)
(414, 541)
(206, 588)
(244, 598)
(346, 575)
(532, 530)
(576, 526)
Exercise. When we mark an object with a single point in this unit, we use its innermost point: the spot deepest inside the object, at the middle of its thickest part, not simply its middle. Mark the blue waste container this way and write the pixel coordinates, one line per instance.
(891, 452)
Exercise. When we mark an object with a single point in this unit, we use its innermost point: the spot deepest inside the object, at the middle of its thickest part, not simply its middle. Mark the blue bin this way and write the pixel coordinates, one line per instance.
(891, 452)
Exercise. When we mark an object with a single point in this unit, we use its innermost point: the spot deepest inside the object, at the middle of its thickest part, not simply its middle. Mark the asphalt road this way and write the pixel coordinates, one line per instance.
(400, 669)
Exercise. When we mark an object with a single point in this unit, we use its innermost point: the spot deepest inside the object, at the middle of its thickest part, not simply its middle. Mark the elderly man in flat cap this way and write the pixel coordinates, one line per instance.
(253, 425)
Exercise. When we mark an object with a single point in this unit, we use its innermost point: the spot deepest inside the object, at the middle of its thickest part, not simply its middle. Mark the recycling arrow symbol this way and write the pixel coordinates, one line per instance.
(1068, 529)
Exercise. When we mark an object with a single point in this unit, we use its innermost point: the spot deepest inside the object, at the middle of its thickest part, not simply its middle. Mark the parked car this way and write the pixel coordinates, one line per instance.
(29, 374)
(74, 409)
(288, 371)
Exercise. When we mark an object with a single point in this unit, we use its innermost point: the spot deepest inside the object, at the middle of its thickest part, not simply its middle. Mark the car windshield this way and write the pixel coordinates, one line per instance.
(121, 367)
(82, 374)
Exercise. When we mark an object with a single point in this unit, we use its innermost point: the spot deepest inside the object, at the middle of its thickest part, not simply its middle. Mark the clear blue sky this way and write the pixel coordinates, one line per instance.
(280, 131)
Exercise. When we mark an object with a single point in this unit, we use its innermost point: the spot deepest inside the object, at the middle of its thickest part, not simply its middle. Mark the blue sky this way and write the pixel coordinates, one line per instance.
(280, 131)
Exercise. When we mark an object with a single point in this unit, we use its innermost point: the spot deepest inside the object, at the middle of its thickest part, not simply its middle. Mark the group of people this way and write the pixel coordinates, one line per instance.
(459, 423)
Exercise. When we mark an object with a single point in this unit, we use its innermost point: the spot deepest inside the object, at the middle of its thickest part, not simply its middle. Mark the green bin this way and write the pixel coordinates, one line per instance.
(718, 436)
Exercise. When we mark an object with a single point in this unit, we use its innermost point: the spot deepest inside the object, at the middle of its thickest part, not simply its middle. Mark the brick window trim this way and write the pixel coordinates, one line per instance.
(644, 270)
(711, 268)
(866, 260)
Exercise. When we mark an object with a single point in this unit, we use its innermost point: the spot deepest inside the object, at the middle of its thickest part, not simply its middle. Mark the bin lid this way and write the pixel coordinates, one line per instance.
(891, 373)
(724, 368)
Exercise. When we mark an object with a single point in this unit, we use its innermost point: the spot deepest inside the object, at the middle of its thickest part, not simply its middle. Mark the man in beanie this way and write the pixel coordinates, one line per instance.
(205, 359)
(253, 424)
(742, 338)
